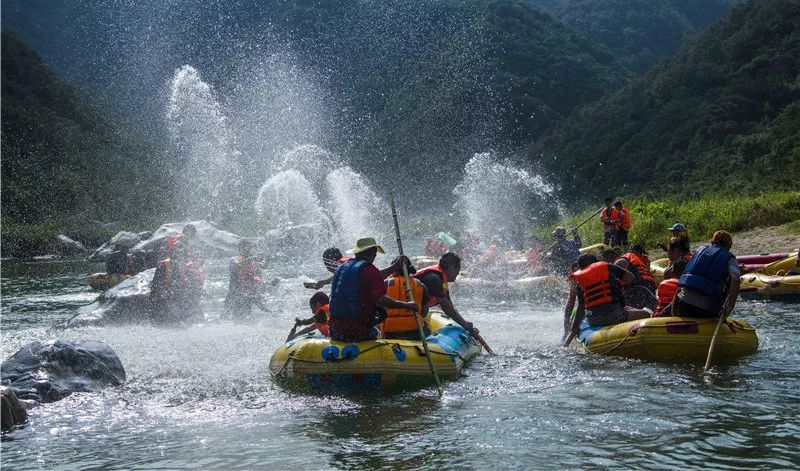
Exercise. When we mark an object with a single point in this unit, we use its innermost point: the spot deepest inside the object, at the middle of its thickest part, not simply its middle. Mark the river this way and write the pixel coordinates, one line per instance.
(202, 397)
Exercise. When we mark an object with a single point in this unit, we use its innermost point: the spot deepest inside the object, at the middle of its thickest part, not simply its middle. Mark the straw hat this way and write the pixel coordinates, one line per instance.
(366, 243)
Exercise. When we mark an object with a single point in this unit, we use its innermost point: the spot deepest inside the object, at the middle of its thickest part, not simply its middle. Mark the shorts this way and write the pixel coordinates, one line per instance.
(607, 315)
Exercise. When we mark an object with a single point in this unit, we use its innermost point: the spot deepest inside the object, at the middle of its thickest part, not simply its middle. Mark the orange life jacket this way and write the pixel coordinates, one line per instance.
(319, 325)
(609, 218)
(625, 223)
(433, 300)
(167, 274)
(402, 320)
(640, 266)
(249, 278)
(597, 285)
(171, 241)
(666, 293)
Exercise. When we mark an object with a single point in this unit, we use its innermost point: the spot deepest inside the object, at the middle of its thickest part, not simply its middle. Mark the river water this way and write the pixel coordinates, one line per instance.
(202, 397)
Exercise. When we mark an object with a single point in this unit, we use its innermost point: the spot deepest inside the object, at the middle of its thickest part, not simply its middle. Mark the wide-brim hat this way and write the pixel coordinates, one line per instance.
(366, 243)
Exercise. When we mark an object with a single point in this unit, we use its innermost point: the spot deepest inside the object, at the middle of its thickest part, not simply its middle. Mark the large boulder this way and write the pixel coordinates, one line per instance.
(52, 370)
(126, 302)
(124, 238)
(210, 242)
(67, 246)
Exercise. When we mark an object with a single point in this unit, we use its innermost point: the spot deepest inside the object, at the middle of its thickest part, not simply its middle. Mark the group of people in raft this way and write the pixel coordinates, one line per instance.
(365, 302)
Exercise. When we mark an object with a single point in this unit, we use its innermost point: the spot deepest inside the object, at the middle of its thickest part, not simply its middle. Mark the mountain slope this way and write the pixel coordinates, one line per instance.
(721, 116)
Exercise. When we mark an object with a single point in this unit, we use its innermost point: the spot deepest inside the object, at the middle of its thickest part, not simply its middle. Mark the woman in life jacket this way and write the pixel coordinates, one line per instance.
(709, 285)
(599, 295)
(401, 323)
(318, 321)
(668, 289)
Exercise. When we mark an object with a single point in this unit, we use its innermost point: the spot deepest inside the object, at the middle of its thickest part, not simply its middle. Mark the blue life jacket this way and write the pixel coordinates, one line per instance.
(707, 271)
(345, 289)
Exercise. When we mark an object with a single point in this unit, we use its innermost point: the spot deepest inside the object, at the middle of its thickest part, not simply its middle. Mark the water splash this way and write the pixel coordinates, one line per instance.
(355, 207)
(501, 201)
(205, 160)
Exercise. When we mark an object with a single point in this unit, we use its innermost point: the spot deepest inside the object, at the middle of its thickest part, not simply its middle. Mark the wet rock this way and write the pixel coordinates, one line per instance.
(127, 302)
(124, 238)
(210, 242)
(67, 246)
(13, 411)
(52, 370)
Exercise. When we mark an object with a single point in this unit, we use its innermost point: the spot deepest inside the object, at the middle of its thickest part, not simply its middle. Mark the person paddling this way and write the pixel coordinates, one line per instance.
(358, 296)
(436, 279)
(709, 285)
(320, 309)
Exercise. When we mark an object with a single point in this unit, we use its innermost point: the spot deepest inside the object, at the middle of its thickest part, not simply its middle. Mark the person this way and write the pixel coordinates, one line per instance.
(640, 292)
(599, 295)
(565, 252)
(676, 250)
(319, 304)
(668, 288)
(434, 246)
(679, 230)
(436, 279)
(623, 225)
(709, 285)
(177, 287)
(610, 217)
(246, 282)
(609, 255)
(358, 297)
(401, 323)
(182, 242)
(119, 264)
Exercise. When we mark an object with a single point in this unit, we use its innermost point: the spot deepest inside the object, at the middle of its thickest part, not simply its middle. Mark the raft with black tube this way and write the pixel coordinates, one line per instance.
(316, 363)
(678, 339)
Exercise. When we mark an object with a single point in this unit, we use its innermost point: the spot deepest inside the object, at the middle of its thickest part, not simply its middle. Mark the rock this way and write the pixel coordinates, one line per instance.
(52, 370)
(127, 302)
(67, 246)
(13, 411)
(144, 235)
(210, 242)
(124, 238)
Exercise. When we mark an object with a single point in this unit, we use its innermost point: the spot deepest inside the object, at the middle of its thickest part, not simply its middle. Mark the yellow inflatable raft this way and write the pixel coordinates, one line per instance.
(103, 281)
(780, 267)
(770, 287)
(316, 363)
(670, 339)
(657, 268)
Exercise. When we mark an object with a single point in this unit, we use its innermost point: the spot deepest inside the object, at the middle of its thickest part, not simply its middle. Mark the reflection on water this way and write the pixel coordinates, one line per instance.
(203, 397)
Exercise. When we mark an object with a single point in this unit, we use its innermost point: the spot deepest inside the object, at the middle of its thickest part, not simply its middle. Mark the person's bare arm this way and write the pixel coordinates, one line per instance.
(319, 284)
(572, 297)
(447, 306)
(393, 268)
(576, 322)
(305, 331)
(388, 303)
(733, 293)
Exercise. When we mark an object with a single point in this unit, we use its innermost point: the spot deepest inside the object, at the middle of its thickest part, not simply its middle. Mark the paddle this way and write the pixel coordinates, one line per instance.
(575, 228)
(713, 343)
(410, 296)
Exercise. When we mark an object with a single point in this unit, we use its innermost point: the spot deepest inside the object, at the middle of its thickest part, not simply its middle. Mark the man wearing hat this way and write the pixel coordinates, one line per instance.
(710, 283)
(565, 252)
(358, 296)
(679, 230)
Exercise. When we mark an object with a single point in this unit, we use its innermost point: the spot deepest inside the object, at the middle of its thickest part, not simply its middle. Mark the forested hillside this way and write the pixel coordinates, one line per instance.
(723, 115)
(61, 157)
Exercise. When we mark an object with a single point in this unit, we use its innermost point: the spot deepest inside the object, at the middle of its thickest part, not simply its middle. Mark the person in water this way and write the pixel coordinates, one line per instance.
(182, 242)
(709, 285)
(598, 291)
(401, 323)
(246, 282)
(177, 288)
(565, 252)
(358, 297)
(436, 279)
(641, 292)
(319, 304)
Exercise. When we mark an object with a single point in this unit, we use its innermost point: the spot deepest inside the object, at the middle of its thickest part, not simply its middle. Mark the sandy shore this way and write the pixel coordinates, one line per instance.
(783, 238)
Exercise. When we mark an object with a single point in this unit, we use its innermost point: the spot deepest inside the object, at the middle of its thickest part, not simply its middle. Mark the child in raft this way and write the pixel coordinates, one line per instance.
(319, 321)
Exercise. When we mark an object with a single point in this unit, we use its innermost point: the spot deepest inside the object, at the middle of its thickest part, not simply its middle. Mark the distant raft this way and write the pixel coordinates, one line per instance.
(770, 287)
(672, 339)
(103, 281)
(316, 363)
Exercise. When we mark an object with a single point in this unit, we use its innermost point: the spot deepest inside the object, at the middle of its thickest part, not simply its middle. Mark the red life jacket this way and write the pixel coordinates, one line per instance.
(402, 320)
(433, 300)
(666, 292)
(249, 278)
(168, 274)
(625, 223)
(597, 285)
(171, 241)
(609, 218)
(319, 325)
(641, 268)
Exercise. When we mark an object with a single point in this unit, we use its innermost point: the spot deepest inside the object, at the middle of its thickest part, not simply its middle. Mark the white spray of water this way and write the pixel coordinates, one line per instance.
(356, 208)
(498, 199)
(205, 160)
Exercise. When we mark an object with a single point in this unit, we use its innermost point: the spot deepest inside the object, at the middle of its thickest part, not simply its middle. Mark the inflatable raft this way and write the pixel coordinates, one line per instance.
(313, 362)
(103, 281)
(670, 339)
(770, 287)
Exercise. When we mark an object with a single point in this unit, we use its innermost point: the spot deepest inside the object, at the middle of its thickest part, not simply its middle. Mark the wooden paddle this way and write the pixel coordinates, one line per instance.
(410, 296)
